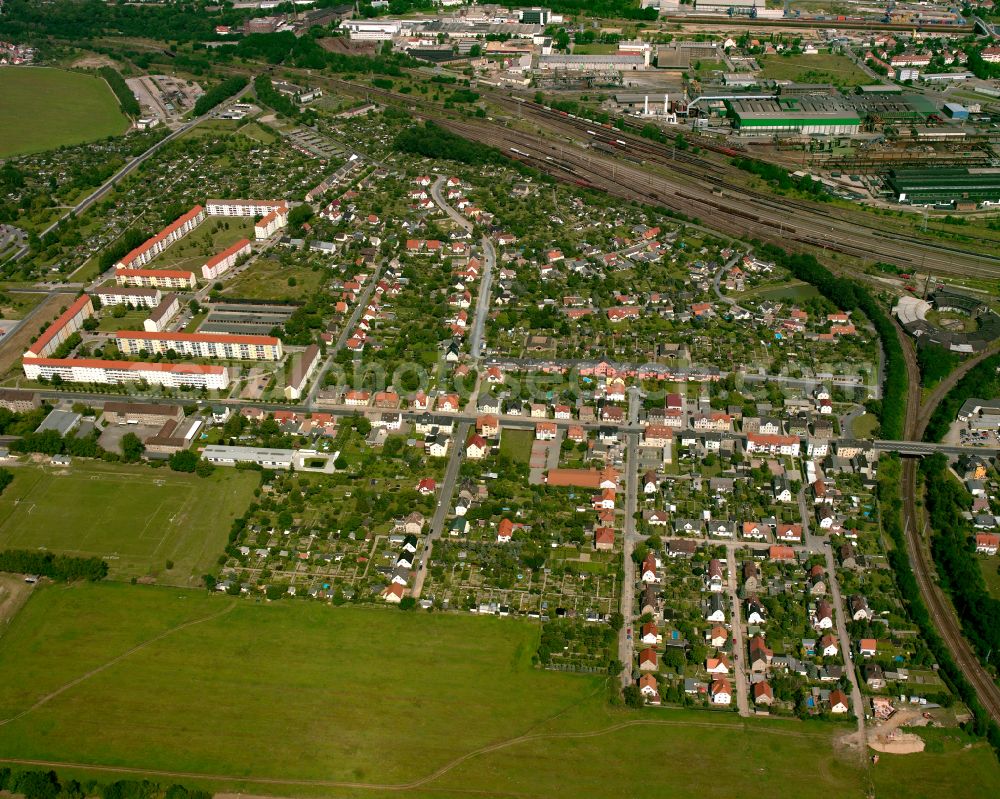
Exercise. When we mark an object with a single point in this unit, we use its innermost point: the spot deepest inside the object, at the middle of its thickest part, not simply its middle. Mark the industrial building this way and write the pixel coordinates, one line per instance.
(817, 116)
(88, 370)
(152, 247)
(69, 322)
(200, 345)
(945, 185)
(251, 318)
(620, 62)
(156, 278)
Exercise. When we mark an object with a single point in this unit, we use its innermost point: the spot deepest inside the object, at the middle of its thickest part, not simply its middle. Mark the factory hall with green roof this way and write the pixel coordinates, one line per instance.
(952, 186)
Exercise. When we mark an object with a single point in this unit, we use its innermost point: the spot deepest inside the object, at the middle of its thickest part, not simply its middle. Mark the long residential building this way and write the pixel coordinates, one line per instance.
(225, 260)
(161, 315)
(201, 345)
(152, 247)
(92, 370)
(121, 295)
(69, 322)
(156, 278)
(242, 207)
(272, 223)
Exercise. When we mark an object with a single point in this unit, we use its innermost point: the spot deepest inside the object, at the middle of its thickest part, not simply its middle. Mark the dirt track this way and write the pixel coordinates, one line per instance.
(12, 346)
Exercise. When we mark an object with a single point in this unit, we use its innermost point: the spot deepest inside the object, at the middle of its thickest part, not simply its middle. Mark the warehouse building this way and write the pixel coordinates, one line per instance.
(265, 458)
(150, 248)
(620, 62)
(166, 375)
(114, 294)
(945, 186)
(814, 116)
(69, 322)
(200, 345)
(156, 278)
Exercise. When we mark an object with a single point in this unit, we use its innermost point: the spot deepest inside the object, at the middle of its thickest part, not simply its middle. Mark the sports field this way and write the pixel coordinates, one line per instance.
(135, 517)
(297, 698)
(42, 108)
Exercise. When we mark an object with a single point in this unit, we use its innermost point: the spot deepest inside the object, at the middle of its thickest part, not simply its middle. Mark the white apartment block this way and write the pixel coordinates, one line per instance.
(271, 223)
(150, 248)
(118, 295)
(167, 375)
(201, 345)
(69, 322)
(242, 207)
(225, 260)
(162, 314)
(156, 278)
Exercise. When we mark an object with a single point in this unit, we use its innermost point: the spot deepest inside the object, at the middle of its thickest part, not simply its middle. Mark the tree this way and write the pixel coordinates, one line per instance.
(132, 448)
(204, 468)
(184, 461)
(633, 696)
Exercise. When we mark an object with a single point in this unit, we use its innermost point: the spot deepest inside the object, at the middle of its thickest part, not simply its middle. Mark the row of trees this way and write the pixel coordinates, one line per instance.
(851, 296)
(981, 381)
(36, 784)
(63, 568)
(780, 177)
(954, 552)
(432, 141)
(126, 99)
(218, 94)
(891, 506)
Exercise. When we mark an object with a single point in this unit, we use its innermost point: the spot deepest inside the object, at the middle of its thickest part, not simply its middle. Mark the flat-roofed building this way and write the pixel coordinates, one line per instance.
(114, 294)
(161, 315)
(156, 278)
(92, 370)
(201, 345)
(69, 322)
(242, 207)
(230, 456)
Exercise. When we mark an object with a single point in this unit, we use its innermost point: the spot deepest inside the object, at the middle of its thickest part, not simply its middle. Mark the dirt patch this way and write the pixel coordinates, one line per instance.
(14, 344)
(889, 737)
(93, 61)
(14, 592)
(338, 44)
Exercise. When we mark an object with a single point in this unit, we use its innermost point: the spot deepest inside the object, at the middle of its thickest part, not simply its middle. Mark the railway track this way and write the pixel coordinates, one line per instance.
(941, 612)
(701, 197)
(823, 225)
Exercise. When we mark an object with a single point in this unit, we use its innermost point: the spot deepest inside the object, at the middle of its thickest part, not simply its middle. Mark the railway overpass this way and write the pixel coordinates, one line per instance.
(920, 448)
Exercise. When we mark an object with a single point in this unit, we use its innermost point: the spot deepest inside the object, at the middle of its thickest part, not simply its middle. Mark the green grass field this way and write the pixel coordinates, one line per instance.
(297, 698)
(135, 517)
(210, 238)
(516, 444)
(267, 279)
(990, 567)
(820, 68)
(43, 108)
(322, 696)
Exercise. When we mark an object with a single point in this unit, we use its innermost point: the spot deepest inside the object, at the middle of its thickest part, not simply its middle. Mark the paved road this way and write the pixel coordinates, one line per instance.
(485, 280)
(105, 187)
(857, 700)
(739, 642)
(445, 495)
(352, 323)
(718, 279)
(629, 539)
